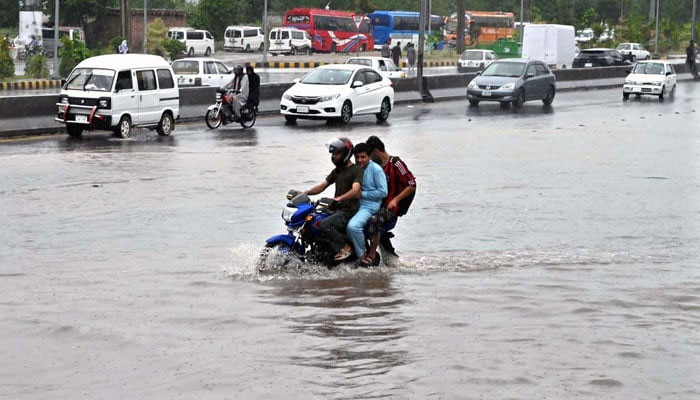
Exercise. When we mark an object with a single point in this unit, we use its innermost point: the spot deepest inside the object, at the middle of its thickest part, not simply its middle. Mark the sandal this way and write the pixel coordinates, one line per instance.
(368, 261)
(342, 254)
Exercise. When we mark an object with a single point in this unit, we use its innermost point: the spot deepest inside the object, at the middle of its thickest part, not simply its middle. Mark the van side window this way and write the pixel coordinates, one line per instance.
(285, 35)
(165, 79)
(124, 80)
(194, 35)
(298, 35)
(146, 80)
(177, 35)
(251, 33)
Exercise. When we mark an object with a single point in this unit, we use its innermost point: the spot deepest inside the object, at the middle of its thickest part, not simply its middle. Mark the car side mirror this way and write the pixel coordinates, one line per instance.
(357, 84)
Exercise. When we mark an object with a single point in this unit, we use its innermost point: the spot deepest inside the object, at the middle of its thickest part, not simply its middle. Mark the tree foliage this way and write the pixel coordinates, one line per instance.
(157, 34)
(7, 66)
(37, 67)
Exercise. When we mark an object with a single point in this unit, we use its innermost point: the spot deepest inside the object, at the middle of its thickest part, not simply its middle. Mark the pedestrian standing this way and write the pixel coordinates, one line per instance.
(690, 53)
(411, 57)
(123, 47)
(396, 54)
(386, 48)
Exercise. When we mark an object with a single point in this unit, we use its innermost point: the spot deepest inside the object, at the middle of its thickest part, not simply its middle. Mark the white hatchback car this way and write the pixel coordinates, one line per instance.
(201, 72)
(385, 66)
(475, 60)
(338, 91)
(654, 77)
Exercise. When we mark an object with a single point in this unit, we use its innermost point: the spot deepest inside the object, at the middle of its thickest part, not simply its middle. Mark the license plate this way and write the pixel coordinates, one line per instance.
(302, 109)
(637, 89)
(588, 65)
(486, 93)
(81, 118)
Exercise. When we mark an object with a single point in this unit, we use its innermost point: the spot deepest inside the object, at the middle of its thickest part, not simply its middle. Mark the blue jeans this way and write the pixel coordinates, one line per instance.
(356, 228)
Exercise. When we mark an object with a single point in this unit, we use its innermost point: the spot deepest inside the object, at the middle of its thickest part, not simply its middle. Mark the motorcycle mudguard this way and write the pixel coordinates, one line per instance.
(213, 107)
(286, 239)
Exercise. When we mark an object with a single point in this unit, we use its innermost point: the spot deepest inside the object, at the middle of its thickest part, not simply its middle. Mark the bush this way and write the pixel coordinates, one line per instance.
(115, 43)
(175, 48)
(36, 67)
(7, 66)
(157, 36)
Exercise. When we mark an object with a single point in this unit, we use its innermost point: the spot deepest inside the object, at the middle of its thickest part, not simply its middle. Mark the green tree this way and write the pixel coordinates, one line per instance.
(215, 16)
(36, 67)
(9, 17)
(157, 35)
(79, 12)
(72, 52)
(7, 66)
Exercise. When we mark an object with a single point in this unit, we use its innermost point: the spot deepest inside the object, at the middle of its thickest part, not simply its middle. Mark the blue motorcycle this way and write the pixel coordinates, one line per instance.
(304, 242)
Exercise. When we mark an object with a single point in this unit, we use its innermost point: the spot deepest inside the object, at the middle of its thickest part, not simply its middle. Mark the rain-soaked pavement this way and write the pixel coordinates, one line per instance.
(550, 253)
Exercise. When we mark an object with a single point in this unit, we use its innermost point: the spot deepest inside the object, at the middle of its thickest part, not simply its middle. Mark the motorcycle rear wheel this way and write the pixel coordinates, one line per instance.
(248, 119)
(213, 118)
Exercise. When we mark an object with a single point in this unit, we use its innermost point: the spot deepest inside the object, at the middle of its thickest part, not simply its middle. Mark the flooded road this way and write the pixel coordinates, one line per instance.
(550, 253)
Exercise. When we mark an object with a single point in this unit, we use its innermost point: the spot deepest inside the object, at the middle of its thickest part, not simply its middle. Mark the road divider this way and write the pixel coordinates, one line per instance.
(32, 84)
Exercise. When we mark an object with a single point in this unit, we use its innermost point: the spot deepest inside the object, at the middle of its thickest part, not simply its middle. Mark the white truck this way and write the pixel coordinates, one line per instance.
(555, 45)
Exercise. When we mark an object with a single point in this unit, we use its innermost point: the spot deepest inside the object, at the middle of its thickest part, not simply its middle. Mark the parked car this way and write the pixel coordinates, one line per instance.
(196, 41)
(633, 51)
(475, 60)
(118, 92)
(585, 35)
(201, 72)
(655, 78)
(599, 58)
(385, 66)
(244, 38)
(289, 41)
(513, 81)
(338, 91)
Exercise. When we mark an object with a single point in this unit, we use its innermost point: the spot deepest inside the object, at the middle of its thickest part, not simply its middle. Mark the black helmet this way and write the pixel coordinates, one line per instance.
(343, 145)
(238, 69)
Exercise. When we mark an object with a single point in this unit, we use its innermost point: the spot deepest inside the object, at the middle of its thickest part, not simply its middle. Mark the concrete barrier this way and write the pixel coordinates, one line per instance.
(34, 84)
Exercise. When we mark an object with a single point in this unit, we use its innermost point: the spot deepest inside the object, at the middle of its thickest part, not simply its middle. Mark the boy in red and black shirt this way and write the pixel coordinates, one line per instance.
(402, 190)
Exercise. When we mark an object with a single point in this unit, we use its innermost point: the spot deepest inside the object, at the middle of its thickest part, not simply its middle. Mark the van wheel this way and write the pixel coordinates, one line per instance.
(363, 48)
(166, 125)
(191, 52)
(262, 47)
(247, 48)
(308, 51)
(294, 51)
(123, 130)
(208, 52)
(74, 131)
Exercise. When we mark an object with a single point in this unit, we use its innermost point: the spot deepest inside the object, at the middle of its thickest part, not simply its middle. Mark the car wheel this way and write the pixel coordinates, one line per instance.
(473, 102)
(191, 52)
(519, 99)
(625, 96)
(290, 118)
(166, 124)
(208, 52)
(346, 112)
(672, 93)
(384, 111)
(661, 95)
(549, 98)
(74, 131)
(637, 96)
(123, 130)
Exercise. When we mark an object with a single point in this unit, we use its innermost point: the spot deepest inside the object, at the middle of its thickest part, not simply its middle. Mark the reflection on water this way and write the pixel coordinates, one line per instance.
(351, 328)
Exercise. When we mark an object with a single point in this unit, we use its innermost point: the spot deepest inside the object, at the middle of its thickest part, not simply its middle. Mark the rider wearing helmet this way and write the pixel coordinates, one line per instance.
(240, 87)
(347, 178)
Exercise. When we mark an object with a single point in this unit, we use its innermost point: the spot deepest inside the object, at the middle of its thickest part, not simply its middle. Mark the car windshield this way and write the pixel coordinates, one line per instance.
(471, 55)
(186, 67)
(94, 79)
(327, 76)
(360, 61)
(511, 69)
(649, 69)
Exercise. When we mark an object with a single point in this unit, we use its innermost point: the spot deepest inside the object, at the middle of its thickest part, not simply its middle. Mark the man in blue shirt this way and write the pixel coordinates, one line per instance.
(374, 189)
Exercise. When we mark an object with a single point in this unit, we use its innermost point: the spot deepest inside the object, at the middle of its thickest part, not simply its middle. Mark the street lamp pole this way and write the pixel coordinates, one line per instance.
(55, 40)
(693, 26)
(145, 23)
(267, 35)
(522, 11)
(656, 31)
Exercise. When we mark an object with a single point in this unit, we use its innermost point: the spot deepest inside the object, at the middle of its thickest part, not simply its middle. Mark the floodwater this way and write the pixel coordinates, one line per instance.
(550, 253)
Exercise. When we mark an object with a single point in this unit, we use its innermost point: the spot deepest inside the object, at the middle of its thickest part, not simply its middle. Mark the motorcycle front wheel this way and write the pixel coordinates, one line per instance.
(213, 118)
(278, 258)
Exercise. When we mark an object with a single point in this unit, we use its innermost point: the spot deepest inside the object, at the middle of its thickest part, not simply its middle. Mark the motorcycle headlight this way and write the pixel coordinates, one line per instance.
(508, 86)
(329, 98)
(287, 213)
(287, 97)
(472, 84)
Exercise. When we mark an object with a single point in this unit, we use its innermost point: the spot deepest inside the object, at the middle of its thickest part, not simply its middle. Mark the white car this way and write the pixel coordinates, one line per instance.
(585, 35)
(385, 66)
(633, 51)
(201, 72)
(196, 41)
(475, 60)
(655, 78)
(338, 91)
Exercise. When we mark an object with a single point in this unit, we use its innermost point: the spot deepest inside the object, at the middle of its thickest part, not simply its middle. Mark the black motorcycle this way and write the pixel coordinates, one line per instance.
(221, 112)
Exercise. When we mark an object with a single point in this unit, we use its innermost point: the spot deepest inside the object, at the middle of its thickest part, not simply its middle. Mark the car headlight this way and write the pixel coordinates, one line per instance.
(288, 213)
(508, 86)
(656, 84)
(472, 84)
(104, 103)
(287, 97)
(330, 97)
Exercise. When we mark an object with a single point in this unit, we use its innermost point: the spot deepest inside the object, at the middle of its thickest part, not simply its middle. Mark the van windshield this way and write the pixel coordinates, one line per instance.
(90, 79)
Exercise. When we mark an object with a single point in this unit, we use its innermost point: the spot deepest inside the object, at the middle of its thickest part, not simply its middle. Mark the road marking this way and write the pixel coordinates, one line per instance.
(25, 139)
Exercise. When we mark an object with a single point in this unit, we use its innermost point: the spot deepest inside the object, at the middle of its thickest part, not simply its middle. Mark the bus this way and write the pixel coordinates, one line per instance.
(384, 23)
(482, 27)
(331, 31)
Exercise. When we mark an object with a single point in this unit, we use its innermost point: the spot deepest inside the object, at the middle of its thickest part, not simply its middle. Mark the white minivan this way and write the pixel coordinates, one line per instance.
(289, 41)
(196, 41)
(118, 92)
(244, 38)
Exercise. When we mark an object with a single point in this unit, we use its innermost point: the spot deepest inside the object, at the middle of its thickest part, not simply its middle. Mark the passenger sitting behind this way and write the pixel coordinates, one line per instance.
(374, 189)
